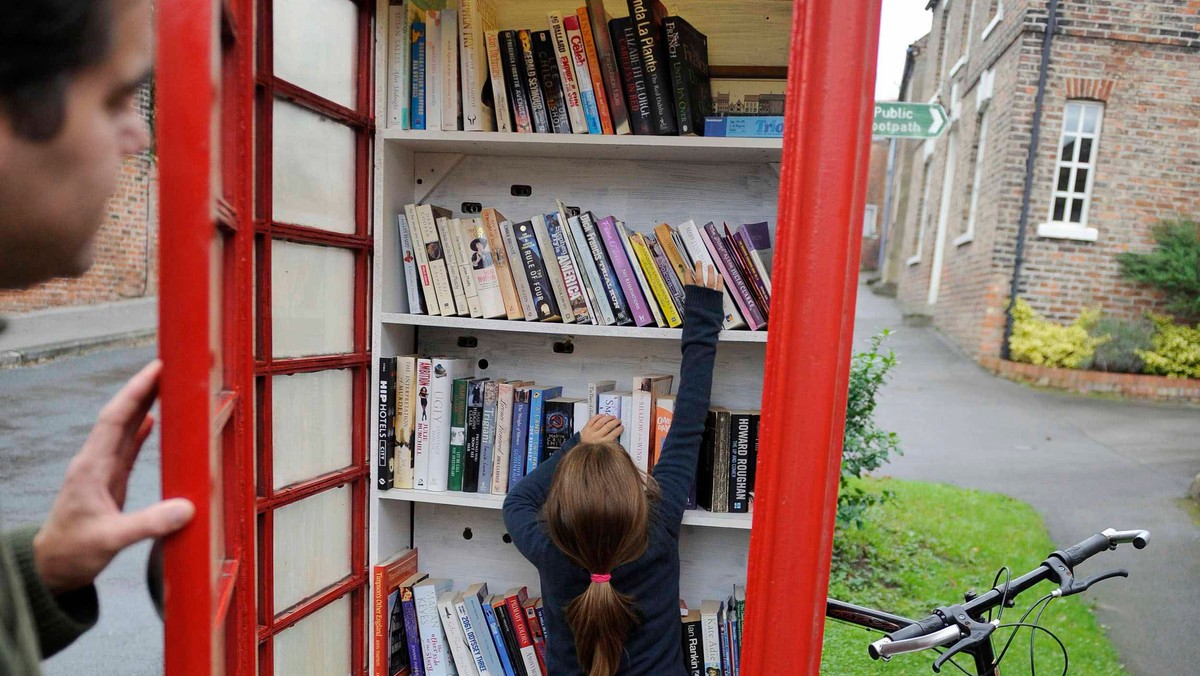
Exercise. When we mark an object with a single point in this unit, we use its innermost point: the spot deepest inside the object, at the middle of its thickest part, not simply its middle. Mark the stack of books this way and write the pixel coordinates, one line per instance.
(575, 268)
(443, 429)
(423, 627)
(582, 73)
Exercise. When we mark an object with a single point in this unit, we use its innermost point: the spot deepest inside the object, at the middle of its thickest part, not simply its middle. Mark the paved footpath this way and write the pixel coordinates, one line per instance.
(1085, 463)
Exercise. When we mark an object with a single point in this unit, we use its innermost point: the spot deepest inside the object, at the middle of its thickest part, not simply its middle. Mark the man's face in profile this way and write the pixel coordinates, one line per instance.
(54, 192)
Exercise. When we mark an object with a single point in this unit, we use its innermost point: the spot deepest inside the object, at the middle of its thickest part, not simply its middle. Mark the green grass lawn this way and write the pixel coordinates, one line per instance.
(928, 546)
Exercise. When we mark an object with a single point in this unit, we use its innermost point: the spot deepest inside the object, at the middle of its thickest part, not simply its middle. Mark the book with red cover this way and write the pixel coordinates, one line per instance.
(387, 577)
(514, 600)
(536, 633)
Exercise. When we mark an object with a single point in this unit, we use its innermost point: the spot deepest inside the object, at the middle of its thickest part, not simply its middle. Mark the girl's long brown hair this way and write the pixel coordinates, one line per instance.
(598, 514)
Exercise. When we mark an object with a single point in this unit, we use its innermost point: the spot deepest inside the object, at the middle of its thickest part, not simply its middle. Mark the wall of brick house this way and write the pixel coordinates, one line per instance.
(876, 195)
(126, 247)
(1146, 170)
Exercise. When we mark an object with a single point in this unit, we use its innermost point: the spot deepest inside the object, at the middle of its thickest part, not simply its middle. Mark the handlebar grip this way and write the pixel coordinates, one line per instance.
(926, 625)
(1085, 550)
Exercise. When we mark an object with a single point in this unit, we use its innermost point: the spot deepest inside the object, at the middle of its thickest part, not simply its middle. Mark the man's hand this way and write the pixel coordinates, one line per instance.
(601, 429)
(86, 527)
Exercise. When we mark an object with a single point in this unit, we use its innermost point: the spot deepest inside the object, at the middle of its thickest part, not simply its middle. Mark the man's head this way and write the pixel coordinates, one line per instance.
(69, 74)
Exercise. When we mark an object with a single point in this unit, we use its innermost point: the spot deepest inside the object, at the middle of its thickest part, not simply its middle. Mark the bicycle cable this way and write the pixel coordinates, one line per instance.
(1003, 651)
(1035, 628)
(1003, 595)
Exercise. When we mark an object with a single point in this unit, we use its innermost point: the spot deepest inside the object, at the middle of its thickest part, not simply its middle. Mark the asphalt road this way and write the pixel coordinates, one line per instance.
(47, 412)
(1085, 463)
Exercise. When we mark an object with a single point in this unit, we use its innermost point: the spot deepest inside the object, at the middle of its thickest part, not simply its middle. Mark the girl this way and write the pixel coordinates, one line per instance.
(605, 536)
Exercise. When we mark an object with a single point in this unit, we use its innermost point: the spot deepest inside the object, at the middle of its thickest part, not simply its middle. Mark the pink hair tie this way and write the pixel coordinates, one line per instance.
(601, 578)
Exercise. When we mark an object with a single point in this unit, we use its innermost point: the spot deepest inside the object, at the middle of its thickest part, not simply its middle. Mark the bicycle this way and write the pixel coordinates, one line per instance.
(968, 628)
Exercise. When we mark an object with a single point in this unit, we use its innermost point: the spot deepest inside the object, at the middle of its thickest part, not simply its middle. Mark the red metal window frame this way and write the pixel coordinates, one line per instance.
(269, 87)
(204, 598)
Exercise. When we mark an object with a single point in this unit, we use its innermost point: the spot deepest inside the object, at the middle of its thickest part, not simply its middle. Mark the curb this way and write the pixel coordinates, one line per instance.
(14, 358)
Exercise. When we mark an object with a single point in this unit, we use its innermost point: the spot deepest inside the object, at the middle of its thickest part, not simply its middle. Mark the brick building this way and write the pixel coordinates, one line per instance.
(1119, 150)
(126, 257)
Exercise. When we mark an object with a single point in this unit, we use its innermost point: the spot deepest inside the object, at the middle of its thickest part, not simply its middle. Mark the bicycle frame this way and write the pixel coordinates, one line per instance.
(878, 620)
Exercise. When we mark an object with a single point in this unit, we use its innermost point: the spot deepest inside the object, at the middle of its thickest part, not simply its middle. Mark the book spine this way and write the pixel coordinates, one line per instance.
(503, 443)
(537, 635)
(474, 437)
(554, 273)
(633, 78)
(641, 420)
(541, 291)
(558, 426)
(432, 306)
(627, 420)
(398, 55)
(566, 72)
(755, 420)
(712, 643)
(504, 273)
(705, 473)
(491, 40)
(539, 110)
(489, 437)
(417, 65)
(595, 69)
(585, 282)
(583, 75)
(566, 264)
(517, 265)
(445, 372)
(471, 634)
(457, 641)
(723, 637)
(758, 239)
(551, 82)
(406, 378)
(697, 252)
(624, 270)
(500, 612)
(664, 415)
(581, 416)
(476, 116)
(678, 261)
(433, 69)
(728, 269)
(453, 269)
(693, 651)
(421, 450)
(435, 252)
(379, 633)
(680, 77)
(609, 69)
(520, 437)
(520, 625)
(610, 284)
(744, 126)
(648, 31)
(541, 618)
(723, 441)
(537, 421)
(740, 249)
(489, 617)
(600, 300)
(658, 286)
(451, 92)
(481, 264)
(412, 278)
(667, 272)
(594, 392)
(458, 436)
(739, 465)
(385, 428)
(434, 651)
(518, 85)
(647, 294)
(411, 633)
(459, 237)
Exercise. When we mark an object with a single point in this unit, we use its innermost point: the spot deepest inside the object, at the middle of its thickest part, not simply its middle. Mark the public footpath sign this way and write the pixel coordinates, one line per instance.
(908, 120)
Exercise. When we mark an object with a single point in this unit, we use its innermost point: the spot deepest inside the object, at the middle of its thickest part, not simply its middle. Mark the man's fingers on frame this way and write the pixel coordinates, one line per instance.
(156, 520)
(122, 416)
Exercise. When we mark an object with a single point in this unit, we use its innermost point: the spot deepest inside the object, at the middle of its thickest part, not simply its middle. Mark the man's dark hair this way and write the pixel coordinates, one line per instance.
(43, 43)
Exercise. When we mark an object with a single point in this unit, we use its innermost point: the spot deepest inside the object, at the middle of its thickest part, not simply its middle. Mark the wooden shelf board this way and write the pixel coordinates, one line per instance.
(556, 329)
(592, 146)
(694, 517)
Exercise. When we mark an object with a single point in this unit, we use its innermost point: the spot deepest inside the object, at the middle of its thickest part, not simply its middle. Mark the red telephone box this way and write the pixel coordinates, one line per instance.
(264, 325)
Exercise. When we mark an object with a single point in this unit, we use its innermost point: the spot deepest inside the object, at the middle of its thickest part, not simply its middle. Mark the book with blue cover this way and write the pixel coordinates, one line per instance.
(519, 447)
(744, 126)
(538, 396)
(417, 61)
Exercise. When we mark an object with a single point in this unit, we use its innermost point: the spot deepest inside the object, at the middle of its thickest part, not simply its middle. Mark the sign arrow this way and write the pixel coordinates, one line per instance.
(900, 119)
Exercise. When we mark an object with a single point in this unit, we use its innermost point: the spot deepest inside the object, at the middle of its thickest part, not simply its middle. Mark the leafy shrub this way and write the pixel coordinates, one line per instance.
(865, 447)
(1173, 267)
(1119, 353)
(1038, 341)
(1176, 349)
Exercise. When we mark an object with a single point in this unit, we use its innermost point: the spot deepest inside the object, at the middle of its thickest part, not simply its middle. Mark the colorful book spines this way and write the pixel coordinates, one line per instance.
(624, 271)
(417, 79)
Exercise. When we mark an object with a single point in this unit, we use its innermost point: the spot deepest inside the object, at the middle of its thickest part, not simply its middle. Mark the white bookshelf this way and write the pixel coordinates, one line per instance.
(642, 180)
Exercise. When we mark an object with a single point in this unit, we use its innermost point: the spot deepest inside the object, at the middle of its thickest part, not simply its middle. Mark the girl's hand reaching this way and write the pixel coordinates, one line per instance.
(601, 429)
(706, 276)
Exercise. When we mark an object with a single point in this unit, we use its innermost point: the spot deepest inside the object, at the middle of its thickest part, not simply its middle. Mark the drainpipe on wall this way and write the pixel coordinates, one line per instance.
(1034, 134)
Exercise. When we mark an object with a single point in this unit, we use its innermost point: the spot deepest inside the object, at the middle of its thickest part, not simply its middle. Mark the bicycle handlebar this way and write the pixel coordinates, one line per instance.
(935, 630)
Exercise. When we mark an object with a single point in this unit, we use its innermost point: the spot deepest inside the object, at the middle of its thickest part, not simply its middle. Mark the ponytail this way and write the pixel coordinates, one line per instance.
(598, 514)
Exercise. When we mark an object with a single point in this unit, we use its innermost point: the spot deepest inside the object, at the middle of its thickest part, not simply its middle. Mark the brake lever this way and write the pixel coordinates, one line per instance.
(975, 632)
(1071, 586)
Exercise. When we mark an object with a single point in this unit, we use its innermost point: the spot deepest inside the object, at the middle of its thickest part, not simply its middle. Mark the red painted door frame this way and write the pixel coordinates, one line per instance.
(831, 79)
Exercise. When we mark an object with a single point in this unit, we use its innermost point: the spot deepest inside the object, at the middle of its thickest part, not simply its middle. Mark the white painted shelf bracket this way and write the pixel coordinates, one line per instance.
(431, 170)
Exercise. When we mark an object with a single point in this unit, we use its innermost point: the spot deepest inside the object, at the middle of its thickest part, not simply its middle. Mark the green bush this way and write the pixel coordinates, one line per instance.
(1120, 352)
(1176, 349)
(1038, 341)
(865, 447)
(1173, 266)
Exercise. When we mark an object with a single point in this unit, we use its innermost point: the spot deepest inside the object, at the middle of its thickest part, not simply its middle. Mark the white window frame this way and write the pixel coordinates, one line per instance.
(987, 30)
(1066, 229)
(871, 221)
(922, 216)
(983, 99)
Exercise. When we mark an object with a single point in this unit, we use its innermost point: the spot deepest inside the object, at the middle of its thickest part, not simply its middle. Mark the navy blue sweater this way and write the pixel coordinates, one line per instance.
(653, 647)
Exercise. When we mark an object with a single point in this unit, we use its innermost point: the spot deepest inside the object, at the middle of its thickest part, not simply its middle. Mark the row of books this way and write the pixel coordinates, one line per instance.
(586, 73)
(423, 627)
(568, 266)
(441, 428)
(712, 635)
